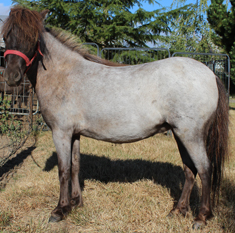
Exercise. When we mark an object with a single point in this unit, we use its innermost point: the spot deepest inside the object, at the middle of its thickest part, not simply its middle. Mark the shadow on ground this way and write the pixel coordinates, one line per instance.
(105, 170)
(11, 165)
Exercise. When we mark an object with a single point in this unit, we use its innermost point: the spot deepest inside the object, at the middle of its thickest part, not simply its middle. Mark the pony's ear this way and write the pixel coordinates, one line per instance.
(44, 14)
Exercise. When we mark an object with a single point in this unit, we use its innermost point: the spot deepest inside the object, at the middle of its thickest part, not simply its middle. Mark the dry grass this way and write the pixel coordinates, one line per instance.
(126, 188)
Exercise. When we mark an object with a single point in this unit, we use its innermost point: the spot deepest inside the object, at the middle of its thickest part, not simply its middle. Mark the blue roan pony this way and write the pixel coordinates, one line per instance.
(80, 94)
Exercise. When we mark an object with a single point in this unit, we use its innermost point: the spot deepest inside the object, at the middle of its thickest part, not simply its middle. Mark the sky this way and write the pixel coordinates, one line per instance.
(6, 4)
(4, 7)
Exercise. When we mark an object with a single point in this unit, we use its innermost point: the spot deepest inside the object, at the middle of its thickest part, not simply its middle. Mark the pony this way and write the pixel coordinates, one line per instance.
(81, 94)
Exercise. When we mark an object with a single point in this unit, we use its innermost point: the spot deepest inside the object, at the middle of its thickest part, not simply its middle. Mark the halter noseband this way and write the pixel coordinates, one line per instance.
(20, 54)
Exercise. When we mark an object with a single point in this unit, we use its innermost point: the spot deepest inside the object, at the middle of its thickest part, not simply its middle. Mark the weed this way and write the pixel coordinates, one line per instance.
(5, 219)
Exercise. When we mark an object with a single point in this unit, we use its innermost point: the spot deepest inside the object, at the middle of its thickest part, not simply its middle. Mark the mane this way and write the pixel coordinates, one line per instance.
(27, 24)
(70, 41)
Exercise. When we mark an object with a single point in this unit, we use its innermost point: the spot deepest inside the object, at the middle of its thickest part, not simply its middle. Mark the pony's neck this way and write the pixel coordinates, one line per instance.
(57, 50)
(56, 58)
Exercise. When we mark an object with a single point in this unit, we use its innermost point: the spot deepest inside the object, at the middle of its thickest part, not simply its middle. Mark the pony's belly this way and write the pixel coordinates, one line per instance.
(125, 134)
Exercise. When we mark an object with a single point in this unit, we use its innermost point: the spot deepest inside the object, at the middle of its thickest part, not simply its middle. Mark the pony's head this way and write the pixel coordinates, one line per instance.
(21, 33)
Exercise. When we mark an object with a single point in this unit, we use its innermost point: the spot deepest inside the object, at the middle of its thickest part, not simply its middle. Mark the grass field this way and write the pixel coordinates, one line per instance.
(126, 188)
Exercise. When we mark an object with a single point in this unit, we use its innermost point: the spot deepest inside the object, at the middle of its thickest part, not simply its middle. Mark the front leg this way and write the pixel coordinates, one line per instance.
(76, 195)
(62, 143)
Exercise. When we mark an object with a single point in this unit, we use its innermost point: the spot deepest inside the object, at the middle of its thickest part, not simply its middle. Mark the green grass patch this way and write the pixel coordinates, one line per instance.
(5, 219)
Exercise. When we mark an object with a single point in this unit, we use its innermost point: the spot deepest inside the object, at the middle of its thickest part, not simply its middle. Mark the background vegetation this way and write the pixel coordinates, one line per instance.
(181, 28)
(221, 18)
(114, 24)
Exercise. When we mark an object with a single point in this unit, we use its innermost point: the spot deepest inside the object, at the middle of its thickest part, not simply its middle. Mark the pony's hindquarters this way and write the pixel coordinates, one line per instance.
(203, 149)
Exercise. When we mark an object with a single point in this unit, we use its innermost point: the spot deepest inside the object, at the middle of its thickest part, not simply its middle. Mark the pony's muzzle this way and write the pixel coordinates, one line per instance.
(12, 78)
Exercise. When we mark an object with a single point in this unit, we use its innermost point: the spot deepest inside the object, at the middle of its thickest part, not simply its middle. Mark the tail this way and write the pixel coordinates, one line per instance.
(217, 140)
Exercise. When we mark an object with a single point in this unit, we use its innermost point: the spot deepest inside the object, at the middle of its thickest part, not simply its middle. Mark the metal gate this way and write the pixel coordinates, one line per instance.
(93, 48)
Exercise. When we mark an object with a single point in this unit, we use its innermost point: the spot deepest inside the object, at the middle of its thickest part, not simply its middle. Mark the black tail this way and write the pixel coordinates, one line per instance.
(217, 140)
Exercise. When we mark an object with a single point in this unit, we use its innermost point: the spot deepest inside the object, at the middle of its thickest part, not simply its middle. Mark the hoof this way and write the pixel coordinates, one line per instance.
(198, 225)
(178, 212)
(174, 213)
(55, 218)
(59, 213)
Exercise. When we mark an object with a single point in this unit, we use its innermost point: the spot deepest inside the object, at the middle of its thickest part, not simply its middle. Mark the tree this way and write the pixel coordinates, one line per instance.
(191, 31)
(109, 23)
(222, 21)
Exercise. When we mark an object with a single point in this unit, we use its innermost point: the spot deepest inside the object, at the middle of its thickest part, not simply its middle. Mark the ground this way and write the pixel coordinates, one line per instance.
(126, 188)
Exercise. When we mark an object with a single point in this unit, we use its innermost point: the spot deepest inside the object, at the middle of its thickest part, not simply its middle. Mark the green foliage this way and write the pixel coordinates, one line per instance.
(4, 106)
(112, 24)
(134, 56)
(5, 219)
(191, 31)
(107, 23)
(222, 21)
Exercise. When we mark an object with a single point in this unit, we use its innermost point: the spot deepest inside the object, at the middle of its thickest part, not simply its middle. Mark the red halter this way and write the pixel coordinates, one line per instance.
(27, 61)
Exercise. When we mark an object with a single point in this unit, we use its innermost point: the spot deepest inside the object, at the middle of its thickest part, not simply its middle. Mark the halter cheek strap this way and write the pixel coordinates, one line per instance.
(20, 54)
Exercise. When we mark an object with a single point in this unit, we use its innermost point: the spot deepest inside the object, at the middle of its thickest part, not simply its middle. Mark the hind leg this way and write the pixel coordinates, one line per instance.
(198, 162)
(190, 173)
(205, 208)
(183, 206)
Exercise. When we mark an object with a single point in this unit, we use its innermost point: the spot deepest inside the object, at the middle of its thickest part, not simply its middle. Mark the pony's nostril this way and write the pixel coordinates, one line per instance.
(17, 77)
